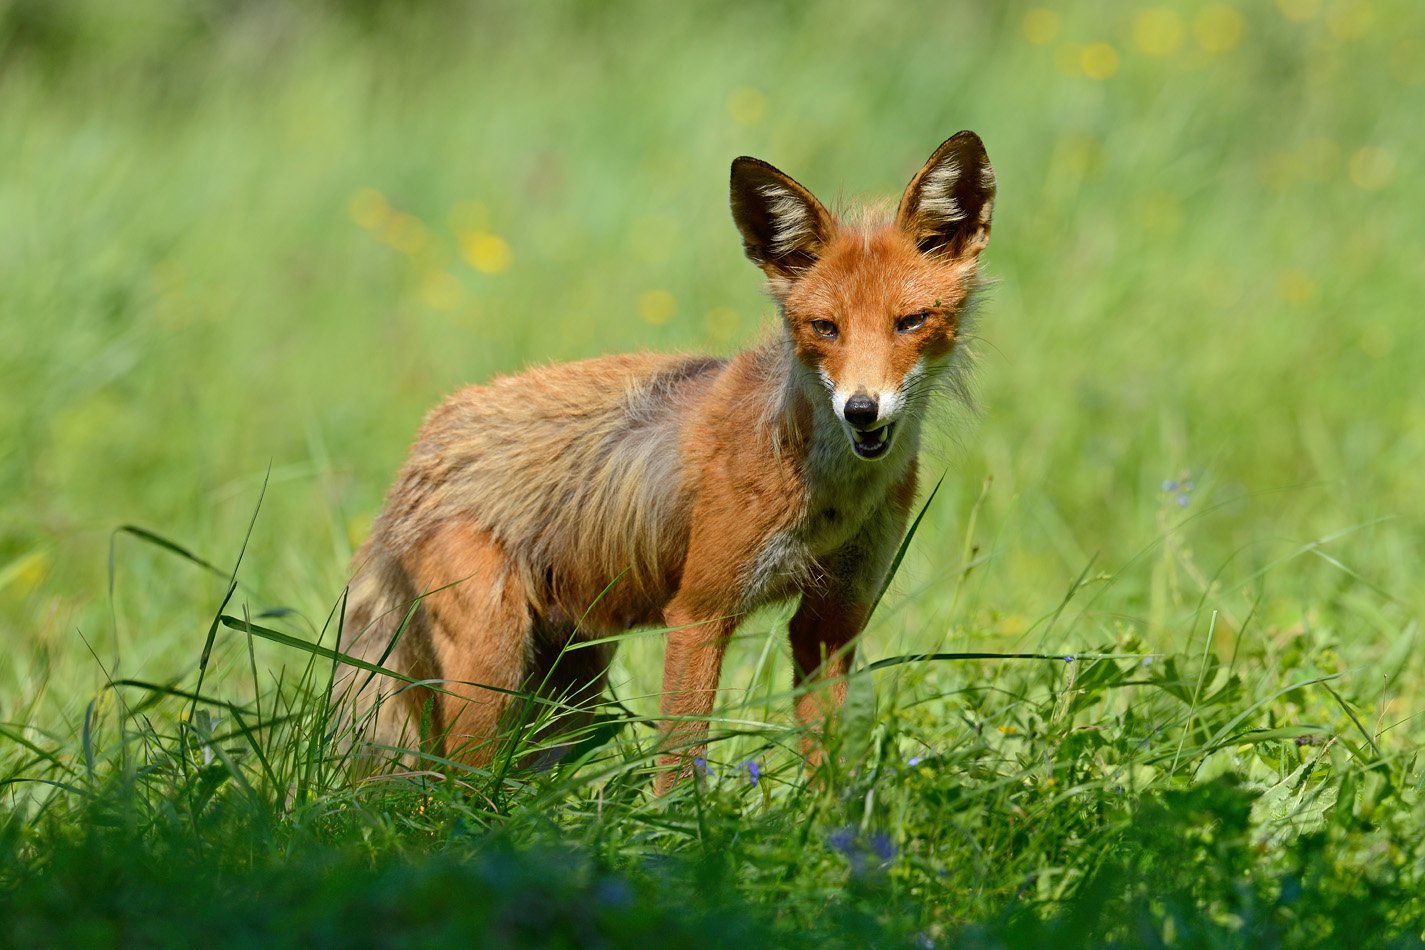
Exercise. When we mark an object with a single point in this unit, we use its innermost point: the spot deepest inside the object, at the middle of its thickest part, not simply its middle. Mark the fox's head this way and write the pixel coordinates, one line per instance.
(872, 308)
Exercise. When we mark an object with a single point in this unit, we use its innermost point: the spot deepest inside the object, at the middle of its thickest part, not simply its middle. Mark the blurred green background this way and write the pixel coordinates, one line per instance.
(250, 235)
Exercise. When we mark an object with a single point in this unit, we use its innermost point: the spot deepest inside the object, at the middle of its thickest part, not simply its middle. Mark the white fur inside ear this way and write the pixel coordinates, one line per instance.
(987, 182)
(937, 194)
(793, 225)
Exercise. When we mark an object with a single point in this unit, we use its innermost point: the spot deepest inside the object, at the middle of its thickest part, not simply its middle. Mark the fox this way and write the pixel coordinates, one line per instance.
(543, 513)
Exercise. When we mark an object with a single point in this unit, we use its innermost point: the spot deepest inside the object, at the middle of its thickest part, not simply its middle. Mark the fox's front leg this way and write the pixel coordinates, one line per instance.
(712, 595)
(823, 635)
(836, 603)
(691, 668)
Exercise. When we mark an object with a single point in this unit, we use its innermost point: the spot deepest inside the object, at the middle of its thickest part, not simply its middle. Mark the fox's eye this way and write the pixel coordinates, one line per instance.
(912, 321)
(824, 328)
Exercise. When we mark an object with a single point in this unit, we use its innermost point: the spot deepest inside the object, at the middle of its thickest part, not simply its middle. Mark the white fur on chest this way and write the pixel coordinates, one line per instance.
(844, 498)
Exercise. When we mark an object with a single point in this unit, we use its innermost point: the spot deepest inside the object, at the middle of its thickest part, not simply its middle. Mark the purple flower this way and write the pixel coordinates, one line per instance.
(754, 771)
(700, 766)
(1183, 500)
(914, 760)
(883, 846)
(1170, 486)
(859, 851)
(843, 840)
(1069, 658)
(612, 891)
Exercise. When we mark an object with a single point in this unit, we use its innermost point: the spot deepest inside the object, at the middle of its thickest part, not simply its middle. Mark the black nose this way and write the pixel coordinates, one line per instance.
(860, 410)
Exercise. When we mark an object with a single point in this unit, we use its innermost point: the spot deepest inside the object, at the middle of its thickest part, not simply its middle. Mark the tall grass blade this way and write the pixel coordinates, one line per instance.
(904, 546)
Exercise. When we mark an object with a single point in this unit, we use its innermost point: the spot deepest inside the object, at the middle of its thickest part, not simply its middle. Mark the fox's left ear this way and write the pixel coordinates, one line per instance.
(947, 205)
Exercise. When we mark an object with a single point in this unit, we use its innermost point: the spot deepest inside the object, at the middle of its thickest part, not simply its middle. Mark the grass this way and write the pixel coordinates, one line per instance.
(247, 246)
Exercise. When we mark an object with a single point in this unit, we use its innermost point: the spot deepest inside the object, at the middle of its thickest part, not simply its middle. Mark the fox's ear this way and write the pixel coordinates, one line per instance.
(947, 205)
(783, 227)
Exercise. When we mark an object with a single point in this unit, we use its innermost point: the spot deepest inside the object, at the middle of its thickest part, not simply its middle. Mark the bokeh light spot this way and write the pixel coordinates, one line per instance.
(25, 573)
(1299, 10)
(746, 105)
(440, 290)
(1040, 26)
(1377, 340)
(1218, 28)
(657, 307)
(1157, 31)
(486, 251)
(1162, 214)
(1350, 20)
(358, 526)
(1079, 155)
(1407, 62)
(1098, 60)
(722, 324)
(1371, 168)
(368, 208)
(1297, 287)
(404, 232)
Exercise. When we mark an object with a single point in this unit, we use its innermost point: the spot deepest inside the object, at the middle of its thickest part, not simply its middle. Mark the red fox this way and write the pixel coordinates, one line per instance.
(574, 501)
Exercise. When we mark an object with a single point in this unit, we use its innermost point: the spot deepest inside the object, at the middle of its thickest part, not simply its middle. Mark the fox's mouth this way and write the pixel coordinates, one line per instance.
(872, 443)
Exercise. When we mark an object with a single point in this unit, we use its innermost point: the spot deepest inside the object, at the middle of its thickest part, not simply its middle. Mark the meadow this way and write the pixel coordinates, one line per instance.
(246, 245)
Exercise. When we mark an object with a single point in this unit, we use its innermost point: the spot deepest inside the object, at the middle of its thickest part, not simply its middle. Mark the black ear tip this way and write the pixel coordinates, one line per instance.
(745, 165)
(964, 142)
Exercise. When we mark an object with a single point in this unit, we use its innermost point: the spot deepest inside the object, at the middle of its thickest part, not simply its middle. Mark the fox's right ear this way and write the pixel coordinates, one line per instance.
(784, 228)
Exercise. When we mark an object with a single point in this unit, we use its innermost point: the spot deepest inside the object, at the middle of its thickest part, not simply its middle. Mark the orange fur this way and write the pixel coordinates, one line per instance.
(587, 498)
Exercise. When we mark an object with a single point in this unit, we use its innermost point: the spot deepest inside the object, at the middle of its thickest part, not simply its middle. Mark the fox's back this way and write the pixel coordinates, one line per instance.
(574, 469)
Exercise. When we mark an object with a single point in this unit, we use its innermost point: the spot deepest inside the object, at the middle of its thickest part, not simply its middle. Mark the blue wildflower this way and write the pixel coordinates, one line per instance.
(613, 892)
(1170, 486)
(1068, 658)
(700, 766)
(1183, 500)
(883, 846)
(754, 771)
(914, 760)
(859, 851)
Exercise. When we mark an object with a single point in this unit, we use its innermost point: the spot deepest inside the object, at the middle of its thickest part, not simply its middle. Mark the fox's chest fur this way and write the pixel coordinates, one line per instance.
(840, 507)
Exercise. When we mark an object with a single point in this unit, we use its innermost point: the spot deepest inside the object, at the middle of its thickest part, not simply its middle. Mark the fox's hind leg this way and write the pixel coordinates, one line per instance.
(477, 616)
(376, 716)
(569, 676)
